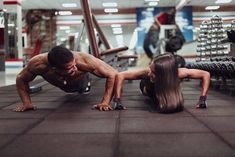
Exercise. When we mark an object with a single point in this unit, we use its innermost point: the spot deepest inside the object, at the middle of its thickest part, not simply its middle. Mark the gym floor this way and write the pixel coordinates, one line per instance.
(65, 125)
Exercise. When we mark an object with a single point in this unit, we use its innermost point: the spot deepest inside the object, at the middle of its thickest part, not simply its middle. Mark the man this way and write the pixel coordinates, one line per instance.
(66, 70)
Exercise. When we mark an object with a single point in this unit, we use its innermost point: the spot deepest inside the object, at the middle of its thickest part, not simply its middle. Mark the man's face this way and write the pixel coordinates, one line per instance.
(69, 69)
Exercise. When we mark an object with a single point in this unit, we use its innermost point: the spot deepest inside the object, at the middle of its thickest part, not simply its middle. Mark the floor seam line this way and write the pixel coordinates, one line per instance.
(213, 131)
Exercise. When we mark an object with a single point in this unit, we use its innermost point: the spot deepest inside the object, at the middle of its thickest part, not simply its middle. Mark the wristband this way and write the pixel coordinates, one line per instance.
(202, 102)
(117, 104)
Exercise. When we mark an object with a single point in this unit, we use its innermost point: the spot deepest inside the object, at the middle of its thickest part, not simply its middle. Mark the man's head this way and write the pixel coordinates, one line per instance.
(62, 60)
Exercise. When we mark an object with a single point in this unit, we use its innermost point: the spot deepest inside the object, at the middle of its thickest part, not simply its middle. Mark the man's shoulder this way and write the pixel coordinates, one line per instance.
(81, 54)
(38, 64)
(83, 57)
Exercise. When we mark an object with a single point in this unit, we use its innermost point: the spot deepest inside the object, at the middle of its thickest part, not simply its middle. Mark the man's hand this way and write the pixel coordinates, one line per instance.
(102, 107)
(23, 108)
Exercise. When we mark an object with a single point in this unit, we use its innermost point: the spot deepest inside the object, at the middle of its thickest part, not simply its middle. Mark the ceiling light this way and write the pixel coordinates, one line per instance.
(223, 1)
(11, 25)
(111, 10)
(153, 3)
(64, 27)
(109, 4)
(65, 13)
(116, 25)
(63, 39)
(117, 29)
(151, 0)
(117, 32)
(69, 5)
(214, 7)
(150, 9)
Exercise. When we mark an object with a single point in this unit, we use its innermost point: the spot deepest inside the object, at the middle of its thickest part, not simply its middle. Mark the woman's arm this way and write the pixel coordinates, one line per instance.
(119, 82)
(128, 75)
(198, 74)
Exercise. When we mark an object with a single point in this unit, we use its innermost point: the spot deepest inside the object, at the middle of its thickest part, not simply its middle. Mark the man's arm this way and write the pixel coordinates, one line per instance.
(22, 84)
(103, 70)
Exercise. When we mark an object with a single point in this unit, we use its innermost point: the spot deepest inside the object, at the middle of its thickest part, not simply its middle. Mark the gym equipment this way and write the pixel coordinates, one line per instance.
(218, 69)
(36, 51)
(164, 35)
(37, 87)
(110, 54)
(91, 23)
(209, 39)
(230, 37)
(180, 61)
(174, 44)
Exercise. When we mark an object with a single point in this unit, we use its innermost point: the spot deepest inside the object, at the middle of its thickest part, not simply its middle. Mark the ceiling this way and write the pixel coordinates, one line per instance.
(97, 4)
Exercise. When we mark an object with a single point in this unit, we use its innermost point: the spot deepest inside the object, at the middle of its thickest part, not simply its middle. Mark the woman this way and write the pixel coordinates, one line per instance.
(161, 82)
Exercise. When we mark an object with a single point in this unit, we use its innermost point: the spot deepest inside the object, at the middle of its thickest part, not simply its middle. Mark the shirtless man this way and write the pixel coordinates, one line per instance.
(66, 70)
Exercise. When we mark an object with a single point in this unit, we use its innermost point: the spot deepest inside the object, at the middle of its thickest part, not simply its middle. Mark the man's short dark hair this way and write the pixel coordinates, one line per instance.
(58, 56)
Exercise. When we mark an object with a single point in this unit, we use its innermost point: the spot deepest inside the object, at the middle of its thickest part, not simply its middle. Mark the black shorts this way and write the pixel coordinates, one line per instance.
(149, 88)
(82, 84)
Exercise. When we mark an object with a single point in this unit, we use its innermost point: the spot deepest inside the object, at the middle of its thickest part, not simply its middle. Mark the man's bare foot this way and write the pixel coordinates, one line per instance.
(23, 108)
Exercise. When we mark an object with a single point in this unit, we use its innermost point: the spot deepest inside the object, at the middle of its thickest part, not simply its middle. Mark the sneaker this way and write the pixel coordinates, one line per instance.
(202, 102)
(88, 89)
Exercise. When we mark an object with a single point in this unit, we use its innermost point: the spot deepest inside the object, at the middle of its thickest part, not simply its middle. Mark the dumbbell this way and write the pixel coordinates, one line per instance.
(231, 36)
(174, 43)
(216, 69)
(231, 69)
(180, 61)
(224, 70)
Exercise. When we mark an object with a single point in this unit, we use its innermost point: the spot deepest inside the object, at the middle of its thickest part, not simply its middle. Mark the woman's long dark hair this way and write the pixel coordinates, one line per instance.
(167, 84)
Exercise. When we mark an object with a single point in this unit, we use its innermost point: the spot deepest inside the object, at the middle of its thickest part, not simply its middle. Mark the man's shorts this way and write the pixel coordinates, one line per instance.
(82, 85)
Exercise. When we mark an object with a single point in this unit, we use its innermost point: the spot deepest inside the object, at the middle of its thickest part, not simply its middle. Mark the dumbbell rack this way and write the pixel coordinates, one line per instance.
(202, 52)
(211, 33)
(222, 71)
